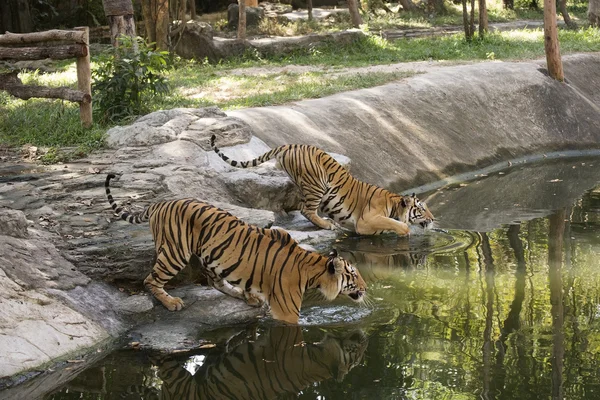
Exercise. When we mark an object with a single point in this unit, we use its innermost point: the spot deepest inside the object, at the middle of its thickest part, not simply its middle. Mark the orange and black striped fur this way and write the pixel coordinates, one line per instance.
(279, 364)
(244, 261)
(327, 186)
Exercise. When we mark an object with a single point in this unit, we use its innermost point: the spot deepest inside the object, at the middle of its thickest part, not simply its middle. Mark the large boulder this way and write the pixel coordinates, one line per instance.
(39, 321)
(253, 16)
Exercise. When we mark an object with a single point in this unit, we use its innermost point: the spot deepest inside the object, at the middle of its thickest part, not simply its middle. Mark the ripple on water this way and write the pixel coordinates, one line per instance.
(333, 314)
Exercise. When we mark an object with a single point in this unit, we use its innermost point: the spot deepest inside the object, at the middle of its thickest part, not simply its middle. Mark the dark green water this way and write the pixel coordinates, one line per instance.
(505, 306)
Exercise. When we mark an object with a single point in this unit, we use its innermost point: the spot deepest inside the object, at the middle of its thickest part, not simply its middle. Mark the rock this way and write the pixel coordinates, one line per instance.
(35, 327)
(136, 304)
(257, 217)
(285, 45)
(230, 131)
(197, 42)
(158, 127)
(205, 309)
(253, 16)
(13, 223)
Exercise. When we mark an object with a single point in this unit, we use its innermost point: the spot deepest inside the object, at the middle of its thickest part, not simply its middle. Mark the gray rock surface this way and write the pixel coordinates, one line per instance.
(197, 42)
(446, 121)
(36, 327)
(205, 309)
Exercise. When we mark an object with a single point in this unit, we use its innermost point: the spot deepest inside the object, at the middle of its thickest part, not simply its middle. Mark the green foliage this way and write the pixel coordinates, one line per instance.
(45, 123)
(125, 81)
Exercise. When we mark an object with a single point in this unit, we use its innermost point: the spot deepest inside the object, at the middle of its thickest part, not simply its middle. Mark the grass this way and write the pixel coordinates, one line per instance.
(54, 123)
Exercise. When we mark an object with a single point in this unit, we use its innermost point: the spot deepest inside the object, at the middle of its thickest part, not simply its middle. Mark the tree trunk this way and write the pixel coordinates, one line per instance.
(562, 4)
(555, 68)
(149, 20)
(156, 22)
(192, 9)
(120, 18)
(309, 8)
(467, 27)
(594, 12)
(483, 18)
(437, 6)
(241, 33)
(15, 16)
(407, 5)
(24, 15)
(354, 15)
(472, 18)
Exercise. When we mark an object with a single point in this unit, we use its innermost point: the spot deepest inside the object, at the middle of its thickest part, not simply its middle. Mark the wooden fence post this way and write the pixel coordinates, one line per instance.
(84, 79)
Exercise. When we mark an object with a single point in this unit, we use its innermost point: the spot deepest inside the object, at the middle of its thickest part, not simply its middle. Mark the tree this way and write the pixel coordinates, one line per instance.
(562, 5)
(120, 18)
(156, 22)
(594, 12)
(241, 32)
(15, 16)
(483, 18)
(553, 60)
(354, 15)
(468, 20)
(407, 5)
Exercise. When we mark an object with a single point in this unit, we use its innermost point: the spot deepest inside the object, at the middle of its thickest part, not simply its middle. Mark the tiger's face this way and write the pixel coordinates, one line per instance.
(417, 212)
(350, 281)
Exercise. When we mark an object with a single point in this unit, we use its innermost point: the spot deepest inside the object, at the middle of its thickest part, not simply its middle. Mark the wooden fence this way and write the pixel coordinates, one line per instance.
(64, 44)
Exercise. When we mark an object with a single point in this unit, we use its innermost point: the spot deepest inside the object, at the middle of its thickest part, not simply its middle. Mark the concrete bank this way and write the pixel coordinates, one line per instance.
(447, 121)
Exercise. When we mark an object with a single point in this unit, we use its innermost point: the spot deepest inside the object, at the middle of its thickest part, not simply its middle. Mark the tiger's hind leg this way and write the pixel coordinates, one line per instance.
(164, 269)
(309, 208)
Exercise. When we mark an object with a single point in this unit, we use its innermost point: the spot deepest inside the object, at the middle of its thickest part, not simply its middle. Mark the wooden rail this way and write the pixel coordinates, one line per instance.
(34, 46)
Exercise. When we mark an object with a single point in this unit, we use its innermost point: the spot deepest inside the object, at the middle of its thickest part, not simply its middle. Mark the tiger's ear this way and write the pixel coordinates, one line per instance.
(403, 202)
(331, 262)
(414, 195)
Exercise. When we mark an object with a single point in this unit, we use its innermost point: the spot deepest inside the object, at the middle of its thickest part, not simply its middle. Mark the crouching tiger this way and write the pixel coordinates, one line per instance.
(327, 186)
(241, 260)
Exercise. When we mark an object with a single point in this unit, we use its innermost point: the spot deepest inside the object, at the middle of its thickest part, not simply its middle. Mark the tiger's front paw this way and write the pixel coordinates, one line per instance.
(253, 300)
(173, 303)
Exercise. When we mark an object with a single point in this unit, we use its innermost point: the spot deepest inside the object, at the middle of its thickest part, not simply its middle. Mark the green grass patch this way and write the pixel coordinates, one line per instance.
(236, 91)
(54, 123)
(46, 123)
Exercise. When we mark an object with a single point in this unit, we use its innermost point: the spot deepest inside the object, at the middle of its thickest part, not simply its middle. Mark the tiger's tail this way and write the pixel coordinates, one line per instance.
(244, 164)
(136, 218)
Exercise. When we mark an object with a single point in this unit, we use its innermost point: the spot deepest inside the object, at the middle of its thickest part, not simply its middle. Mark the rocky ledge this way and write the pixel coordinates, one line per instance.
(65, 255)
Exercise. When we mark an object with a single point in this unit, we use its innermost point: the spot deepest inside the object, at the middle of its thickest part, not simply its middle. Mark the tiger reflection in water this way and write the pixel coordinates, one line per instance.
(277, 364)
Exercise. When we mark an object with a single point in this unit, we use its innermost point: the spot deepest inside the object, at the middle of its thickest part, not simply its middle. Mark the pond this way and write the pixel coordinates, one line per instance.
(505, 305)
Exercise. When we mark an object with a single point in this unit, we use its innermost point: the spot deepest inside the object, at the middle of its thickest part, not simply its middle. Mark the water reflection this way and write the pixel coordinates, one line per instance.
(264, 364)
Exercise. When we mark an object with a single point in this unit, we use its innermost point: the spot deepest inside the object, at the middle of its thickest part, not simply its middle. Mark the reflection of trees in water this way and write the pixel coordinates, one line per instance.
(278, 364)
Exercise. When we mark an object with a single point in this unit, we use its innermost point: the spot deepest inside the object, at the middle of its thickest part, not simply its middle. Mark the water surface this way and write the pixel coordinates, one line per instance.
(504, 306)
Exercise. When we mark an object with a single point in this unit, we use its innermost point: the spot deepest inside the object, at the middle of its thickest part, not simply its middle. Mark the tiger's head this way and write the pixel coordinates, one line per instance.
(349, 280)
(416, 212)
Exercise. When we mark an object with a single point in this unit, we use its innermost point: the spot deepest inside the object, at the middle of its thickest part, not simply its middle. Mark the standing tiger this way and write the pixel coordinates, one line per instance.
(241, 260)
(327, 186)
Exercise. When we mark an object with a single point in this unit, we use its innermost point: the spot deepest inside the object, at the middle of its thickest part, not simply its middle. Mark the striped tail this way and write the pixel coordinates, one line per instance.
(136, 218)
(244, 164)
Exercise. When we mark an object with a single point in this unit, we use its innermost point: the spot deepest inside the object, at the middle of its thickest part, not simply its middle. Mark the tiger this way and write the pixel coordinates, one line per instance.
(279, 364)
(348, 203)
(260, 265)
